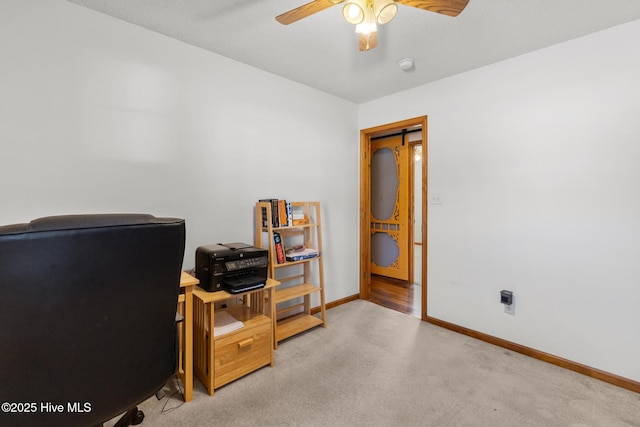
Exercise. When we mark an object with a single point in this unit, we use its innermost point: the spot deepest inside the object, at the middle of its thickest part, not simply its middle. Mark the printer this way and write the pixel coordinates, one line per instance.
(233, 267)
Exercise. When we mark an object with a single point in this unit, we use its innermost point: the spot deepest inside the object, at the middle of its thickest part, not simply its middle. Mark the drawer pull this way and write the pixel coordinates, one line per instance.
(245, 343)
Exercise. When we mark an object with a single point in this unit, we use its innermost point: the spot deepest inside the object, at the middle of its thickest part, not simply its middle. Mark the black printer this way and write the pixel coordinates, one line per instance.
(234, 267)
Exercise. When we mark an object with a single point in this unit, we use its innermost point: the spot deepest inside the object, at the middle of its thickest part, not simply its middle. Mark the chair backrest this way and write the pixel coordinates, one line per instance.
(87, 315)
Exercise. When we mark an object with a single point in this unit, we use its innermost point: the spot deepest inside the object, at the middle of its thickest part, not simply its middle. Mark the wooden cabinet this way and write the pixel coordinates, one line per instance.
(237, 354)
(301, 279)
(220, 359)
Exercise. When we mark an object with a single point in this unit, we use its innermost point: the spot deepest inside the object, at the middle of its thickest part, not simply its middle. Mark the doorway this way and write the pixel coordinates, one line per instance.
(419, 125)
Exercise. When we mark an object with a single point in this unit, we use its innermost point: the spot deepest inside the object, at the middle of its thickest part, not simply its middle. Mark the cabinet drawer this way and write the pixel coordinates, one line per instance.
(242, 352)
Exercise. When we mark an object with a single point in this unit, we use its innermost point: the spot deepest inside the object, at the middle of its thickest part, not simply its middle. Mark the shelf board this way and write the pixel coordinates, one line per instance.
(249, 318)
(293, 228)
(293, 325)
(302, 261)
(296, 291)
(215, 296)
(247, 315)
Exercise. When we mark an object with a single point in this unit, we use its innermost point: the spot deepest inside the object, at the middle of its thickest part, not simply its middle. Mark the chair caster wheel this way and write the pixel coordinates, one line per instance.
(132, 417)
(138, 418)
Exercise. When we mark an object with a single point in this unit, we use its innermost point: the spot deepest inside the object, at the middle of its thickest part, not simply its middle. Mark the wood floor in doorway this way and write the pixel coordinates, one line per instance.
(396, 295)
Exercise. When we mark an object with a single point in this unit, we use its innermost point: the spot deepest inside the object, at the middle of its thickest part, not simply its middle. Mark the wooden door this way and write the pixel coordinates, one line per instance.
(389, 227)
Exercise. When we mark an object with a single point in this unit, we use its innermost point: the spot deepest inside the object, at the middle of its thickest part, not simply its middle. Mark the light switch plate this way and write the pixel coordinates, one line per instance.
(435, 198)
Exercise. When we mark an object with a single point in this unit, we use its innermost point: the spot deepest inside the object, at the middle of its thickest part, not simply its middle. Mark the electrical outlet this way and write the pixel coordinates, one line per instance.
(510, 309)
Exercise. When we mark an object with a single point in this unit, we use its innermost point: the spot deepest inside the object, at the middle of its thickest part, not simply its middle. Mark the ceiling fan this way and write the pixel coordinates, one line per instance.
(367, 14)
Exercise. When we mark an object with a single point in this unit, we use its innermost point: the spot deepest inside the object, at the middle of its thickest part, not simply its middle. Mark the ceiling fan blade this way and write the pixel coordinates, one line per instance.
(367, 41)
(445, 7)
(305, 10)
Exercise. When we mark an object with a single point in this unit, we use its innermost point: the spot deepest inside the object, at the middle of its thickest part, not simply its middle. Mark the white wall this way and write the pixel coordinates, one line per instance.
(98, 115)
(537, 160)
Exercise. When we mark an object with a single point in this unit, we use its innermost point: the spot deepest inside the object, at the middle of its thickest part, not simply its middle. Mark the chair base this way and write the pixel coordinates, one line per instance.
(132, 417)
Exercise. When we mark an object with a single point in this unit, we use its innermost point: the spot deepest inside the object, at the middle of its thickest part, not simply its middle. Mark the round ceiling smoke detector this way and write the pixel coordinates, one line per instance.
(406, 64)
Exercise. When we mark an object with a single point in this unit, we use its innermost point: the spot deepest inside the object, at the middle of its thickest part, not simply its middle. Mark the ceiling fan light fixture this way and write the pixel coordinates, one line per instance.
(367, 26)
(353, 13)
(385, 11)
(365, 14)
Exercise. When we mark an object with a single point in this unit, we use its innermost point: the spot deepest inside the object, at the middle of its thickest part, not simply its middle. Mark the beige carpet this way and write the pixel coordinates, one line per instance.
(373, 366)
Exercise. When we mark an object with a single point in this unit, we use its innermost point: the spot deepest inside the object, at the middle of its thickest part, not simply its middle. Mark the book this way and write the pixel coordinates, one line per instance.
(275, 221)
(297, 216)
(223, 323)
(306, 253)
(282, 213)
(289, 214)
(279, 248)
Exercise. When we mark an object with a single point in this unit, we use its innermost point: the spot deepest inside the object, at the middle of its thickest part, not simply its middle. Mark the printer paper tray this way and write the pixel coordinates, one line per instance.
(239, 288)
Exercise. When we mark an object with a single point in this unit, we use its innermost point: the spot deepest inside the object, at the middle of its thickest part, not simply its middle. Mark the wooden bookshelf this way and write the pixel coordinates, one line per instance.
(300, 279)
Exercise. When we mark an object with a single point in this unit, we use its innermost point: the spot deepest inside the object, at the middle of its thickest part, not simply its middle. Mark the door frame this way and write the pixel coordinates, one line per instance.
(365, 202)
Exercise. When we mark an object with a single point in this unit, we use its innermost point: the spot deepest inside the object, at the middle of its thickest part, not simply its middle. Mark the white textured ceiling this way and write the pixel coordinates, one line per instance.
(321, 51)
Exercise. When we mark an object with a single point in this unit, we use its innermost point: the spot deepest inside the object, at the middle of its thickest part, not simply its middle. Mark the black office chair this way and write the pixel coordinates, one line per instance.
(87, 316)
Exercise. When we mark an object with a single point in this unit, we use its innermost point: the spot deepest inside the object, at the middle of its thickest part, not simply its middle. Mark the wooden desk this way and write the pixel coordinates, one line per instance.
(221, 359)
(185, 307)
